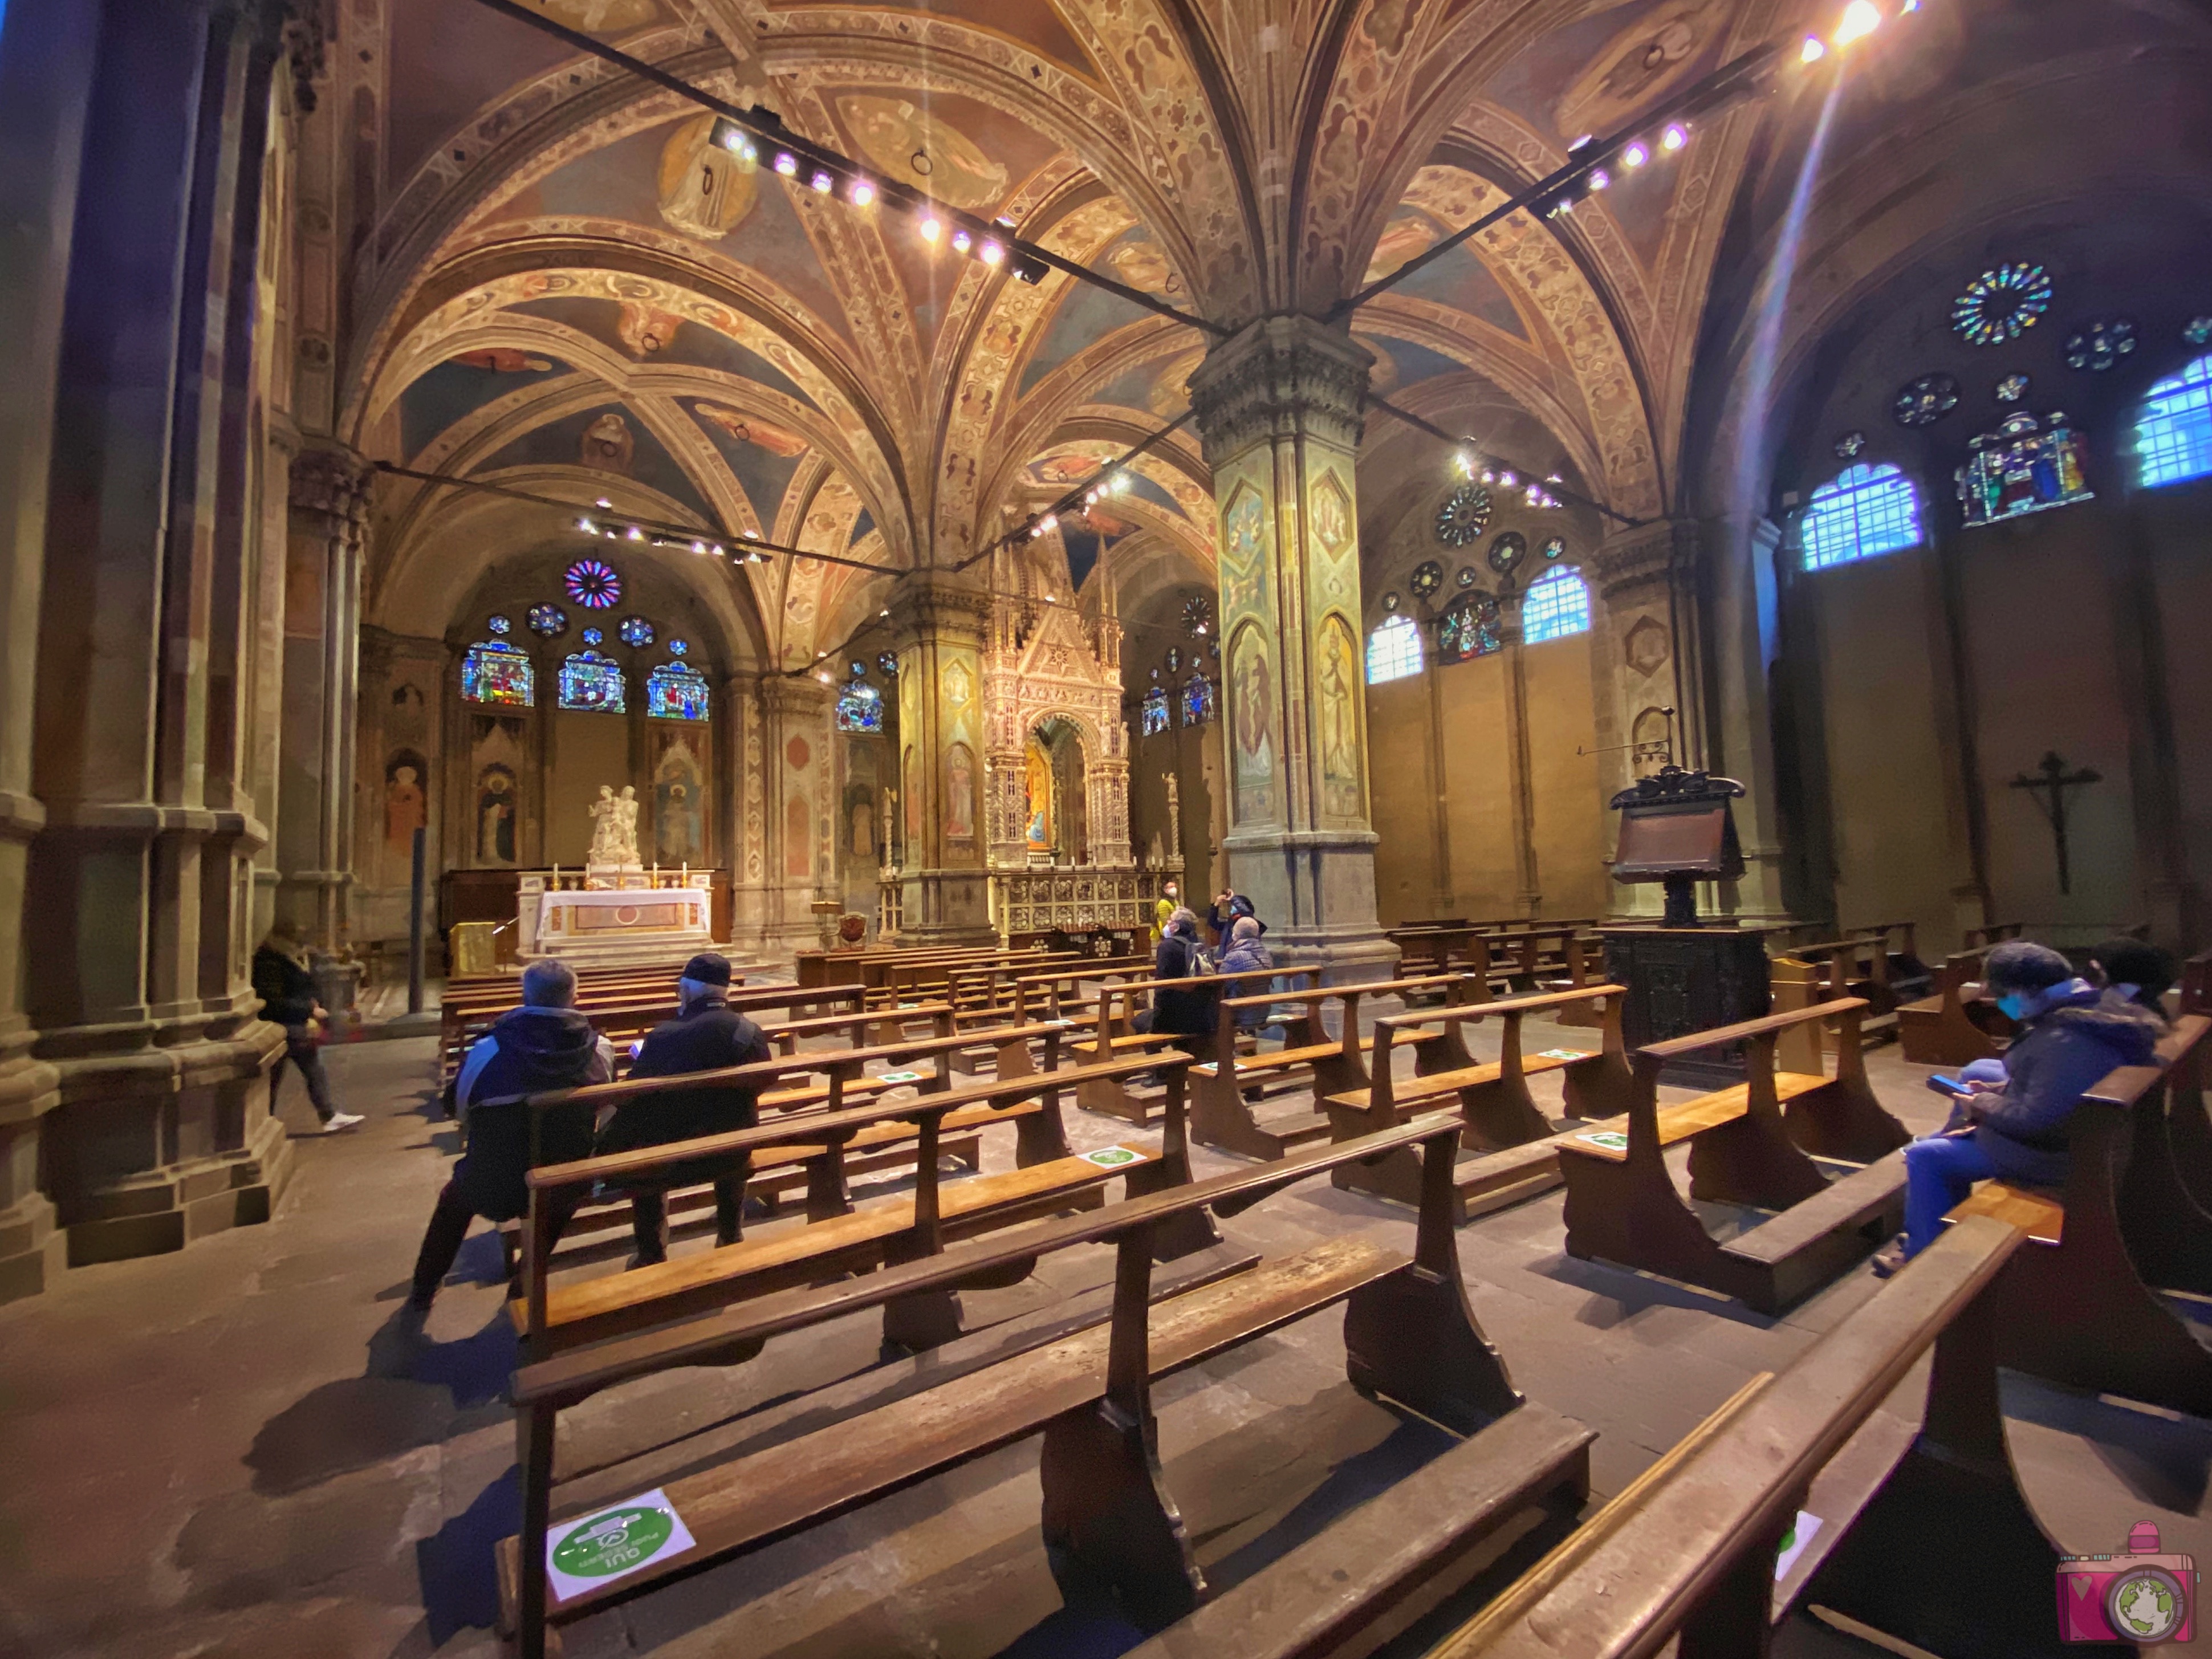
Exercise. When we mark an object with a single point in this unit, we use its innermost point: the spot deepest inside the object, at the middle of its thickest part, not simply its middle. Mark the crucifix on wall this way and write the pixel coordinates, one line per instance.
(2048, 792)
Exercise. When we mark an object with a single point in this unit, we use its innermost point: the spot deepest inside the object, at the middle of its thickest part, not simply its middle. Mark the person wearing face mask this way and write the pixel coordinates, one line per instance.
(2074, 1034)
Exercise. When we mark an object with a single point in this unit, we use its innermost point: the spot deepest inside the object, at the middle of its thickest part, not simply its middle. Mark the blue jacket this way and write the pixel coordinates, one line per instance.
(2066, 1051)
(1242, 957)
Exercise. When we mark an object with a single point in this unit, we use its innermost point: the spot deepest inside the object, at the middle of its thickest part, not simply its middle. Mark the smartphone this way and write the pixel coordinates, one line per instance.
(1948, 1085)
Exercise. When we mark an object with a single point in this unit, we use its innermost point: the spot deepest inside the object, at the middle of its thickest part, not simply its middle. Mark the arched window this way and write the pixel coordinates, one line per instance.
(1556, 605)
(1863, 511)
(1393, 650)
(1197, 700)
(594, 680)
(2173, 435)
(1469, 628)
(496, 671)
(676, 691)
(1154, 717)
(859, 707)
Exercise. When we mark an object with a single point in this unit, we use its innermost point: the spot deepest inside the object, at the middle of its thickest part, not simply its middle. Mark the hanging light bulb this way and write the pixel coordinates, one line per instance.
(603, 502)
(1811, 52)
(820, 181)
(1049, 522)
(1636, 154)
(990, 253)
(587, 526)
(698, 547)
(1600, 179)
(961, 241)
(635, 534)
(786, 163)
(1861, 18)
(1674, 137)
(1506, 479)
(930, 228)
(860, 192)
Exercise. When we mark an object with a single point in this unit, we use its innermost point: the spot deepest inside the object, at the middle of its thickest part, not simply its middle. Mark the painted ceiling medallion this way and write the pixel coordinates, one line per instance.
(2100, 343)
(1463, 516)
(2012, 388)
(1926, 401)
(1850, 445)
(1428, 576)
(2002, 304)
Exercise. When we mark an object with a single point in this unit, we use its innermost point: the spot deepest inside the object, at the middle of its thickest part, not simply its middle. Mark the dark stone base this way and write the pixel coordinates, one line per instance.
(165, 1212)
(32, 1250)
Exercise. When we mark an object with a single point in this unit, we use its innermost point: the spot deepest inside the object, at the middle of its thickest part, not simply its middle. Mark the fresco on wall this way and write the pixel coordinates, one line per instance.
(1336, 688)
(909, 780)
(606, 445)
(496, 799)
(1036, 798)
(677, 806)
(706, 190)
(959, 793)
(797, 837)
(406, 804)
(1252, 714)
(1244, 553)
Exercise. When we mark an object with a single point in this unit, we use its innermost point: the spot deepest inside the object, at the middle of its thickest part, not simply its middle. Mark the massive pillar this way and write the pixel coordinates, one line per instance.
(1643, 661)
(322, 635)
(1745, 640)
(1279, 411)
(136, 935)
(797, 777)
(944, 890)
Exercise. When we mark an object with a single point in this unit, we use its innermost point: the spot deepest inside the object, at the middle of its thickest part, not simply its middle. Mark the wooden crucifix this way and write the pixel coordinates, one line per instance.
(2048, 792)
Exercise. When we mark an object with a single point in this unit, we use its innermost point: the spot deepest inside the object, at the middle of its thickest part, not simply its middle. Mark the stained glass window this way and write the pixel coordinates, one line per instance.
(677, 646)
(1174, 658)
(1463, 515)
(1862, 511)
(548, 620)
(1428, 576)
(1554, 546)
(676, 691)
(1557, 604)
(2173, 435)
(1848, 446)
(594, 681)
(1154, 716)
(594, 584)
(1926, 401)
(888, 662)
(636, 632)
(1508, 550)
(592, 636)
(1197, 701)
(499, 625)
(2024, 466)
(1197, 615)
(2002, 304)
(496, 671)
(2098, 344)
(1393, 650)
(860, 707)
(1469, 628)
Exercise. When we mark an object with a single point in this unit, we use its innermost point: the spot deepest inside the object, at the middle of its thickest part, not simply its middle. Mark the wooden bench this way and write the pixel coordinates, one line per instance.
(1113, 1031)
(1945, 1030)
(2081, 1306)
(634, 1015)
(1496, 1108)
(553, 1318)
(1621, 1203)
(1998, 933)
(1685, 1560)
(1108, 1517)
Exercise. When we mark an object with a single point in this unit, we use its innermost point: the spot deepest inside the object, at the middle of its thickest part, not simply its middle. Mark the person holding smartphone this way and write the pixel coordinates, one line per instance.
(2074, 1033)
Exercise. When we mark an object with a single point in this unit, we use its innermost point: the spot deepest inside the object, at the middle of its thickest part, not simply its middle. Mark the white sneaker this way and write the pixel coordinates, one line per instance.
(342, 1120)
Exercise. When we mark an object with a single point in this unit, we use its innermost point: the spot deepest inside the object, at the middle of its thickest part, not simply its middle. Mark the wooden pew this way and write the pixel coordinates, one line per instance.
(2196, 984)
(2166, 1195)
(1108, 1516)
(1621, 1202)
(553, 1319)
(632, 1015)
(1113, 1031)
(1980, 938)
(2075, 1305)
(1496, 1108)
(1944, 1030)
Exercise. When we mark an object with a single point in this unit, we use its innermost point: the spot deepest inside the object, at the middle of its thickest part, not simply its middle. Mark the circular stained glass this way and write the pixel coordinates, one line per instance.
(1391, 600)
(1850, 445)
(677, 648)
(1463, 516)
(1428, 576)
(1466, 576)
(2002, 304)
(1156, 673)
(888, 663)
(499, 625)
(2012, 388)
(2198, 330)
(547, 620)
(594, 584)
(1197, 615)
(860, 670)
(1553, 546)
(2099, 344)
(1174, 658)
(592, 636)
(635, 631)
(1507, 551)
(1926, 401)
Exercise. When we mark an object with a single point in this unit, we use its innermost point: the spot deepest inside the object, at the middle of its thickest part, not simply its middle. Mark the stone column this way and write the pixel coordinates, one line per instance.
(1106, 785)
(946, 891)
(1744, 641)
(798, 774)
(1528, 859)
(136, 967)
(330, 486)
(1279, 412)
(46, 64)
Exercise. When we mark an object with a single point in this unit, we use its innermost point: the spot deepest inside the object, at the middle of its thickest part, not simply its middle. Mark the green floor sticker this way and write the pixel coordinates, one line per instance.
(1612, 1139)
(595, 1549)
(900, 1076)
(1111, 1158)
(1563, 1054)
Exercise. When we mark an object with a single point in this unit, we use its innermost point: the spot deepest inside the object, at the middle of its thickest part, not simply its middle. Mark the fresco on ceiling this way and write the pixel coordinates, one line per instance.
(1407, 363)
(460, 385)
(706, 190)
(622, 181)
(925, 150)
(764, 469)
(1137, 259)
(1169, 392)
(1611, 64)
(1037, 27)
(622, 443)
(444, 63)
(1131, 389)
(1086, 316)
(863, 527)
(1462, 281)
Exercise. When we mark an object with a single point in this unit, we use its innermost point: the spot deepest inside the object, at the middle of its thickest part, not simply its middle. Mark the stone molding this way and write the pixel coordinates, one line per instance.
(794, 694)
(1281, 375)
(331, 481)
(1646, 556)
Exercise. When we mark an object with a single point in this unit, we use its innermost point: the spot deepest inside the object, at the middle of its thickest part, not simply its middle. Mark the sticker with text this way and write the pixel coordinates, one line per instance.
(1612, 1139)
(900, 1076)
(1803, 1531)
(596, 1549)
(1111, 1158)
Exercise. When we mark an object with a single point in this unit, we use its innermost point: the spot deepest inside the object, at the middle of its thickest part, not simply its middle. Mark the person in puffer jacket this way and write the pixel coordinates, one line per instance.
(2017, 1129)
(1248, 955)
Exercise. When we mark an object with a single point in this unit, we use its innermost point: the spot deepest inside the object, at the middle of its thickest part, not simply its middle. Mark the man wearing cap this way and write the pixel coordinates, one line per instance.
(705, 1034)
(2017, 1127)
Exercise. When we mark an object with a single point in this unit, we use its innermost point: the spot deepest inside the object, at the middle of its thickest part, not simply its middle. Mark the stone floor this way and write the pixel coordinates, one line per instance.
(234, 1450)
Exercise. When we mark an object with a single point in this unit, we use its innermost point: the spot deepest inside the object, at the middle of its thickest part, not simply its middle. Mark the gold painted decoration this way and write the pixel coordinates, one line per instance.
(1244, 553)
(706, 190)
(919, 150)
(1252, 723)
(1337, 683)
(1036, 797)
(1143, 265)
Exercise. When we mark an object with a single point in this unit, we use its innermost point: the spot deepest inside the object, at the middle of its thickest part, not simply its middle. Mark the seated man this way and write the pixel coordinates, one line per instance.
(2075, 1034)
(705, 1036)
(1188, 1016)
(544, 1044)
(1246, 955)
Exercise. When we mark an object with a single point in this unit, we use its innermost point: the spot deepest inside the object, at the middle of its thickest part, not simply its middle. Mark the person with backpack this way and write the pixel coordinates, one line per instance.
(1189, 1015)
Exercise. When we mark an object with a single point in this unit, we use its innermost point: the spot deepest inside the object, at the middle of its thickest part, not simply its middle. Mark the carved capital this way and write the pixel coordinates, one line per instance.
(940, 606)
(332, 483)
(794, 695)
(1631, 560)
(1280, 376)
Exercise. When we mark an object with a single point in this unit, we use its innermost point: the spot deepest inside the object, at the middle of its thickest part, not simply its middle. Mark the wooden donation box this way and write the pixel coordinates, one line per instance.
(607, 928)
(1676, 829)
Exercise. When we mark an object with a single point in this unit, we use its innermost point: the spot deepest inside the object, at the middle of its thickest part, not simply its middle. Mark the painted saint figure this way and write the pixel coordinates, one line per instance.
(496, 816)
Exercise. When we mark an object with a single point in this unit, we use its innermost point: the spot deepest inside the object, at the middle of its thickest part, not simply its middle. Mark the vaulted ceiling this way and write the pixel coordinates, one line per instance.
(545, 250)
